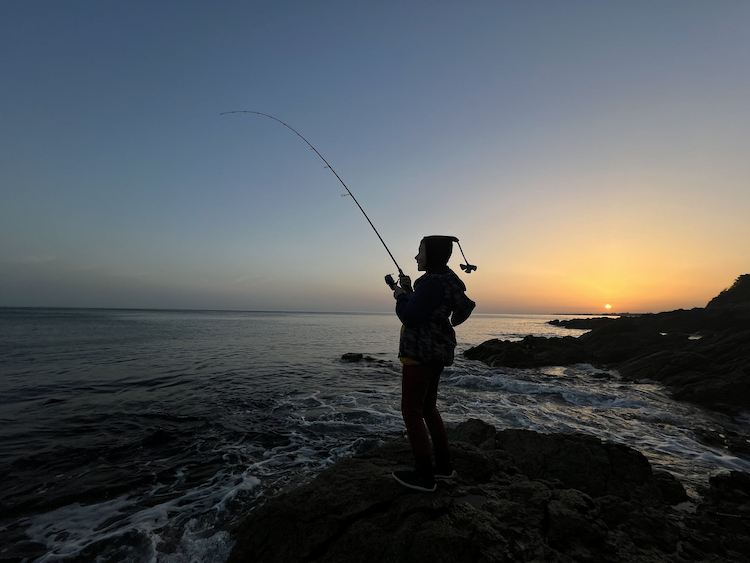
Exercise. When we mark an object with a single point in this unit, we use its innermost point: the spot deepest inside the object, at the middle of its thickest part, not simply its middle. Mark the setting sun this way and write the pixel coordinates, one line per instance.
(608, 306)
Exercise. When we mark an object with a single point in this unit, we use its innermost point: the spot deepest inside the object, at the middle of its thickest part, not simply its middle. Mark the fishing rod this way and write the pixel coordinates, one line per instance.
(401, 273)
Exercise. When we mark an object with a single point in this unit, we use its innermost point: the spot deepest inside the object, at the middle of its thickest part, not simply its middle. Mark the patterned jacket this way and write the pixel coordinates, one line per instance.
(427, 336)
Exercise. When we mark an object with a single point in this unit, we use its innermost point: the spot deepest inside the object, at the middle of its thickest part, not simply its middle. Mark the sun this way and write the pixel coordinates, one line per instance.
(608, 306)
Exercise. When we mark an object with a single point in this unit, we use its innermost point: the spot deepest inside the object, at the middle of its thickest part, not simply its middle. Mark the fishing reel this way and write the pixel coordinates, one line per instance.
(468, 268)
(390, 282)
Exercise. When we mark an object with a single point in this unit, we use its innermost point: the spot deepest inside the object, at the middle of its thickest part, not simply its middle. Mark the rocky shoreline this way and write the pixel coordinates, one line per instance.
(702, 355)
(520, 496)
(527, 496)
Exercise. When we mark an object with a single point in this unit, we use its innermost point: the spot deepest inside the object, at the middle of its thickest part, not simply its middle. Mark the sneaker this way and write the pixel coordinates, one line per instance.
(445, 473)
(414, 480)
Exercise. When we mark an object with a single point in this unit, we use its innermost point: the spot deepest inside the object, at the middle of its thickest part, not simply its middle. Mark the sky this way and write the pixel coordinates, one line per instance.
(584, 152)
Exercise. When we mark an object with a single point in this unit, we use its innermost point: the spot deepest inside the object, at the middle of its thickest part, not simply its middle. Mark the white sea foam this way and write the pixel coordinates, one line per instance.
(123, 525)
(577, 399)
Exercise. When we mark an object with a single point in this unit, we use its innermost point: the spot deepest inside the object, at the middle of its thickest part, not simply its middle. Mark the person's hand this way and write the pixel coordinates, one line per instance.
(405, 282)
(398, 291)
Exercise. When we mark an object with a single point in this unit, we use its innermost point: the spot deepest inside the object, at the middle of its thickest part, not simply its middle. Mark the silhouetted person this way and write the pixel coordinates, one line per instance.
(426, 346)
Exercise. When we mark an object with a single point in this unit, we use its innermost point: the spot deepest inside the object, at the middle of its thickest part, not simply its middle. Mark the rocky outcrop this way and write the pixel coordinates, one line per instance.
(713, 371)
(530, 352)
(520, 496)
(739, 293)
(584, 324)
(703, 355)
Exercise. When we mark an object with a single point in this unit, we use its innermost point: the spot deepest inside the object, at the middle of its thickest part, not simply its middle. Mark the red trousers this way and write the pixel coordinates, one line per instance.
(419, 387)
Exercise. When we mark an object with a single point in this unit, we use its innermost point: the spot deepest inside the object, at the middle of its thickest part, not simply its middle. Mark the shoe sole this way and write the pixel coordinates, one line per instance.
(415, 487)
(447, 477)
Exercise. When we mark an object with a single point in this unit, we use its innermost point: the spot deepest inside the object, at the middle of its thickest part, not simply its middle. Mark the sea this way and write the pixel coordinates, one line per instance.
(148, 435)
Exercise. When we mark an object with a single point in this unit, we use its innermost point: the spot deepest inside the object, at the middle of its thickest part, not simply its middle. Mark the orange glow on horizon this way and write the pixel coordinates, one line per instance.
(547, 287)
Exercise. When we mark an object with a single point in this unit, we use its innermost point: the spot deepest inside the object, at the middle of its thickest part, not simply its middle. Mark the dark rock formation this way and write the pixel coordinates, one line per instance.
(713, 371)
(354, 357)
(739, 293)
(520, 496)
(530, 352)
(703, 355)
(585, 324)
(351, 357)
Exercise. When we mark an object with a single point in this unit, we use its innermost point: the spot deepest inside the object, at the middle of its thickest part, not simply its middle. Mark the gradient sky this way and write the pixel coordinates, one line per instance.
(584, 152)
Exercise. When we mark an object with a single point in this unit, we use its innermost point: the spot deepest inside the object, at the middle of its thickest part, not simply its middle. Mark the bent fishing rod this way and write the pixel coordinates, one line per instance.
(401, 273)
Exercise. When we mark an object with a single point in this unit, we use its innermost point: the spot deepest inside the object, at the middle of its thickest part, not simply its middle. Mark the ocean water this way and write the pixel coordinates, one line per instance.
(144, 436)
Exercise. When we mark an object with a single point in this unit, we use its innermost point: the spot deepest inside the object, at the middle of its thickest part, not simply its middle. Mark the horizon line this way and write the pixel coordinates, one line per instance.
(287, 311)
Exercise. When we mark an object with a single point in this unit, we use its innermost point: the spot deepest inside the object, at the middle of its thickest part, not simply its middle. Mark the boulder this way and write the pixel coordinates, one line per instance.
(580, 461)
(352, 357)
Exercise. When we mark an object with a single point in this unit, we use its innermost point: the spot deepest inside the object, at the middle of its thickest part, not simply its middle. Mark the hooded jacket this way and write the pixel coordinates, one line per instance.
(427, 336)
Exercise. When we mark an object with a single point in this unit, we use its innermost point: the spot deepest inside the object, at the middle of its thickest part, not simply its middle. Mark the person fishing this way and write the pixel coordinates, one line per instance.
(427, 341)
(428, 313)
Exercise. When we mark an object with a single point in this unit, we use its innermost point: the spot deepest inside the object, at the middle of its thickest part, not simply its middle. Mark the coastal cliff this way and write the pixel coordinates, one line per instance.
(520, 496)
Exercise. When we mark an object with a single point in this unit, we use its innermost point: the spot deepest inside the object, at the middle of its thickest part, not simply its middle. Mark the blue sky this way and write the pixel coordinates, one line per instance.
(584, 152)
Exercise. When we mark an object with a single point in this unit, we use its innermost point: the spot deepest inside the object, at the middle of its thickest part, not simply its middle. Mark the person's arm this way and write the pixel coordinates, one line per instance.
(417, 308)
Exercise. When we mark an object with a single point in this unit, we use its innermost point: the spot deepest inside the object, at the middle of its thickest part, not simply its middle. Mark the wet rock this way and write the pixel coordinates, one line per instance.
(354, 357)
(736, 442)
(476, 433)
(528, 353)
(351, 357)
(670, 488)
(514, 504)
(575, 525)
(703, 355)
(730, 491)
(620, 341)
(585, 324)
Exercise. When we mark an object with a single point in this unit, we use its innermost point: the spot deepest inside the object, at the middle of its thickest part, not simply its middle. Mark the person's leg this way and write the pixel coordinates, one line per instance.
(414, 387)
(435, 421)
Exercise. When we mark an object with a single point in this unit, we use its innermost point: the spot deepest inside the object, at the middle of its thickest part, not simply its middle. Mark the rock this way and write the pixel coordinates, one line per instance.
(518, 503)
(575, 525)
(620, 341)
(670, 488)
(351, 357)
(530, 352)
(354, 357)
(736, 442)
(730, 489)
(739, 293)
(703, 355)
(585, 324)
(580, 461)
(474, 432)
(713, 371)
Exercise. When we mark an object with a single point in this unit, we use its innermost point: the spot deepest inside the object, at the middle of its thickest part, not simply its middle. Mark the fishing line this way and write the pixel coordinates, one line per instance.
(334, 172)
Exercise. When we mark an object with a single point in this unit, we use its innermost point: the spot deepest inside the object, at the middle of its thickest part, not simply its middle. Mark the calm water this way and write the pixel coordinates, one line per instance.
(145, 435)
